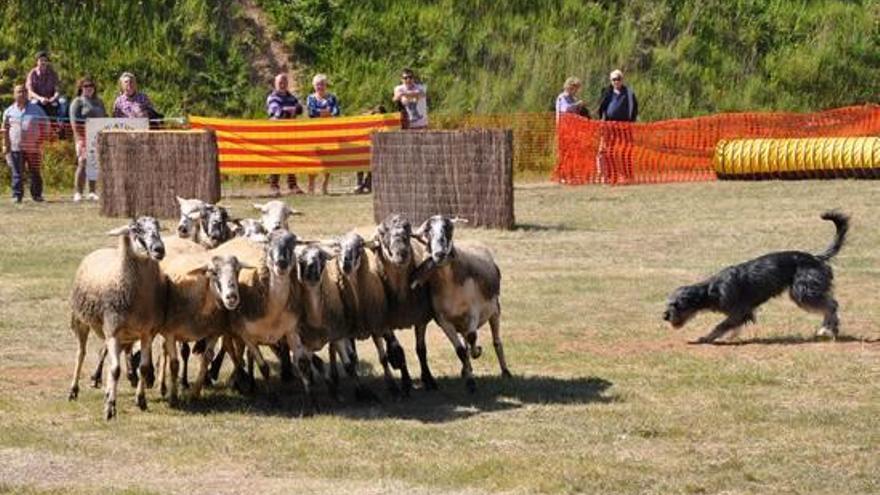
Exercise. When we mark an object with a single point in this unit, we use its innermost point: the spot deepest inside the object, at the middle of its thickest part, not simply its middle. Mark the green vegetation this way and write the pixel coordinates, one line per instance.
(605, 399)
(190, 56)
(683, 57)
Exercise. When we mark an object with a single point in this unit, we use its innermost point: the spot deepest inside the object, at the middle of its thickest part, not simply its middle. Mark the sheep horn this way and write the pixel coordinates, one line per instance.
(260, 207)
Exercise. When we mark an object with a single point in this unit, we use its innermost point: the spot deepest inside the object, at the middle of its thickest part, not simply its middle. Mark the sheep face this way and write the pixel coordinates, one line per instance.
(274, 215)
(222, 274)
(145, 237)
(190, 212)
(437, 232)
(251, 229)
(216, 225)
(280, 252)
(311, 261)
(351, 250)
(393, 235)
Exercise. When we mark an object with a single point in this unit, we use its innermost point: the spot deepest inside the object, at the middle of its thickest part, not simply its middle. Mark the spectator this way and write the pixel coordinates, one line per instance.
(568, 102)
(321, 104)
(282, 104)
(43, 87)
(24, 128)
(619, 102)
(365, 179)
(412, 98)
(130, 103)
(85, 106)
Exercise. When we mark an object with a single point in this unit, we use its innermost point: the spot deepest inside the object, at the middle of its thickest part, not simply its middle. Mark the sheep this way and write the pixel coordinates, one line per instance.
(270, 302)
(200, 294)
(252, 230)
(407, 307)
(119, 294)
(190, 210)
(325, 317)
(216, 226)
(465, 284)
(363, 294)
(275, 214)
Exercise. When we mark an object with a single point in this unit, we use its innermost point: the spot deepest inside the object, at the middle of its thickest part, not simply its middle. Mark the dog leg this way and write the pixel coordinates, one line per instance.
(831, 323)
(729, 323)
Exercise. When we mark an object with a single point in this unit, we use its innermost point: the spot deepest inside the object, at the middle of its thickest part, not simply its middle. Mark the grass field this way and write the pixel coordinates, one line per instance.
(606, 398)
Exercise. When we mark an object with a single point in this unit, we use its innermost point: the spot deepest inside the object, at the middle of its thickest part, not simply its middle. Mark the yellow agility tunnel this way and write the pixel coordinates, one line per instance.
(802, 158)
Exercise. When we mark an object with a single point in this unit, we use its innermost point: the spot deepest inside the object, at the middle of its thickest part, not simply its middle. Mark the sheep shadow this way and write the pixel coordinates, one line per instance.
(793, 340)
(450, 403)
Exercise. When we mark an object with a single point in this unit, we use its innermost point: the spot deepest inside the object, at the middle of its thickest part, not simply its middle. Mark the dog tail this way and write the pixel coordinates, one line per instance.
(841, 222)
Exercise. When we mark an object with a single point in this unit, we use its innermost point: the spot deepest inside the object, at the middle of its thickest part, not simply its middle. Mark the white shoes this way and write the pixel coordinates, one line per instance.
(77, 197)
(93, 197)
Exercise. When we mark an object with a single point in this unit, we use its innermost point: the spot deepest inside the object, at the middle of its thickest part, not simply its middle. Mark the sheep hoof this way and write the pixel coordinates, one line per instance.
(133, 379)
(471, 385)
(141, 402)
(110, 410)
(505, 373)
(163, 389)
(428, 382)
(184, 384)
(173, 401)
(406, 386)
(96, 382)
(264, 371)
(476, 352)
(74, 393)
(150, 376)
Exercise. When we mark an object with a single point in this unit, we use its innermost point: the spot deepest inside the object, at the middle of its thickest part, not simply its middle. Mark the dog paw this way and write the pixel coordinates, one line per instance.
(824, 332)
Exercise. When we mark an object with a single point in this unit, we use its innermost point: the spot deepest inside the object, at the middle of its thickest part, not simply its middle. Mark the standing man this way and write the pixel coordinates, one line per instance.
(619, 104)
(43, 87)
(282, 104)
(412, 98)
(24, 127)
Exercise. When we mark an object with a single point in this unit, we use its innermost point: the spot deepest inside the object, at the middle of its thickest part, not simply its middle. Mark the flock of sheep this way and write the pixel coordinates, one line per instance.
(231, 286)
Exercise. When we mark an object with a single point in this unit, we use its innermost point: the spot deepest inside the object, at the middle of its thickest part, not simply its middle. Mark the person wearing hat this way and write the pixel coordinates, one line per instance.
(619, 102)
(43, 87)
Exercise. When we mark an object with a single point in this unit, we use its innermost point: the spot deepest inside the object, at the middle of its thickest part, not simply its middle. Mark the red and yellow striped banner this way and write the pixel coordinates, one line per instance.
(340, 144)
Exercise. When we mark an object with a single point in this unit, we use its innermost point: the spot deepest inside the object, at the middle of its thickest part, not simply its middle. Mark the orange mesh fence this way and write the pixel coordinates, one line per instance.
(591, 151)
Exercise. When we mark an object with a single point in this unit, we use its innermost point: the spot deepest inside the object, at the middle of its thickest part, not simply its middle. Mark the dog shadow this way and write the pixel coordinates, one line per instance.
(790, 340)
(536, 227)
(451, 402)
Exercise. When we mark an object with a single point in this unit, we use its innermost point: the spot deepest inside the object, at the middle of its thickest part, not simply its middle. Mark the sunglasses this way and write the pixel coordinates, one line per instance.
(616, 79)
(88, 86)
(406, 77)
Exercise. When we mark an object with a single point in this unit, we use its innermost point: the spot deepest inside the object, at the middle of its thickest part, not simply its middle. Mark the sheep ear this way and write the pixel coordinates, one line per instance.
(260, 207)
(421, 230)
(236, 226)
(371, 244)
(124, 230)
(294, 212)
(328, 254)
(180, 201)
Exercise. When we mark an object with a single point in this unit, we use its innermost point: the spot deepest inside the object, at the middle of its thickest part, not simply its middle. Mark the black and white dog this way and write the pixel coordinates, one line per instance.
(738, 290)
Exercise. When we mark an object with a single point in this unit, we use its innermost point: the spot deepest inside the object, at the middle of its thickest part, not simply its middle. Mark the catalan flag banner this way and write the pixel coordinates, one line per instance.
(340, 144)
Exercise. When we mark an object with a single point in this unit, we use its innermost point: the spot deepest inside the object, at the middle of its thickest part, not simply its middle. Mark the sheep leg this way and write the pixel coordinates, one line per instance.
(170, 348)
(283, 352)
(495, 325)
(254, 353)
(99, 369)
(397, 358)
(303, 369)
(204, 363)
(184, 356)
(217, 362)
(82, 336)
(390, 383)
(162, 360)
(132, 360)
(334, 373)
(467, 371)
(147, 376)
(113, 349)
(361, 392)
(422, 352)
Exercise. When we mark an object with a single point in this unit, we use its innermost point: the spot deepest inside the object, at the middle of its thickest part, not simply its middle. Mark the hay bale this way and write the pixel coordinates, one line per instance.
(468, 173)
(143, 171)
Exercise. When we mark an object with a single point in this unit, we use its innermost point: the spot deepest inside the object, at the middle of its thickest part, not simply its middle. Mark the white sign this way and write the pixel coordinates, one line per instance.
(94, 126)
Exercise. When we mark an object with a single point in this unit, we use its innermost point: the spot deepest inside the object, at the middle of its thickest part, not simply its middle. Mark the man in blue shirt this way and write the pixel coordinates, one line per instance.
(619, 104)
(25, 125)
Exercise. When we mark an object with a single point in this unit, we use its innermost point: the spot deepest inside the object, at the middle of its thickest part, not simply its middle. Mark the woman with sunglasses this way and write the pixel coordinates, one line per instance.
(86, 105)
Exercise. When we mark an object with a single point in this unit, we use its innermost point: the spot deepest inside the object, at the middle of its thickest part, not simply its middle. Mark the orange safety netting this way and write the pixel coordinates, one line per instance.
(592, 151)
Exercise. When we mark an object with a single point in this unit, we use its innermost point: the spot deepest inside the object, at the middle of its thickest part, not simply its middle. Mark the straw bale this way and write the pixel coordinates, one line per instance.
(465, 173)
(143, 171)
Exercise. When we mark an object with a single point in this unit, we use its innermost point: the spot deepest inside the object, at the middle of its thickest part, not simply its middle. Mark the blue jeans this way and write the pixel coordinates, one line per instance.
(16, 161)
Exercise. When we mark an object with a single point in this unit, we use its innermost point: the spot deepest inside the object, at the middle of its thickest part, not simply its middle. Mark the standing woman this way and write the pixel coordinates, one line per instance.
(86, 105)
(321, 104)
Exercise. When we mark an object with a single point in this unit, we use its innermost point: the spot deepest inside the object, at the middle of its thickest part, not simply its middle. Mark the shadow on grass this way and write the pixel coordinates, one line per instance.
(535, 227)
(450, 403)
(794, 340)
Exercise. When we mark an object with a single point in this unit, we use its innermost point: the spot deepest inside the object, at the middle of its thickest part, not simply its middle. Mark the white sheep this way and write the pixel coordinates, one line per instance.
(119, 294)
(465, 284)
(275, 214)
